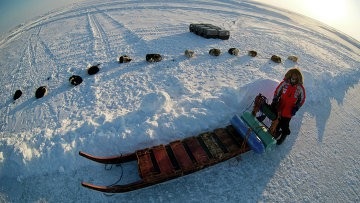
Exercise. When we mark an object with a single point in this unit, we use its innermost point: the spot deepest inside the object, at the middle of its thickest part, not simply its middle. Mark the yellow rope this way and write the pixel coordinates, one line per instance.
(247, 135)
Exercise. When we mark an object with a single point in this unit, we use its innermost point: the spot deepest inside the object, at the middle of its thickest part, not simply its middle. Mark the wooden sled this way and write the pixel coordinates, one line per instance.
(181, 157)
(164, 162)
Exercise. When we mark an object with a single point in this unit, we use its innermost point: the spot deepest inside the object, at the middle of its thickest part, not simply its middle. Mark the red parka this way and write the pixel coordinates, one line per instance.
(290, 96)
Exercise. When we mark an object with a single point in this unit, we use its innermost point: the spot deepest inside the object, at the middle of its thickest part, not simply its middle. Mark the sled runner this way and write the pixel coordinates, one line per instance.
(181, 157)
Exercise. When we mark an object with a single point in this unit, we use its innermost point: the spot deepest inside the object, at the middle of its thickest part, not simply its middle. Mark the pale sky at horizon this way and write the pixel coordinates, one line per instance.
(343, 15)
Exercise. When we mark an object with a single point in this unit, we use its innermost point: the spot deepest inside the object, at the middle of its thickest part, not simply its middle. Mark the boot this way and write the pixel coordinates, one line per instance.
(277, 135)
(281, 139)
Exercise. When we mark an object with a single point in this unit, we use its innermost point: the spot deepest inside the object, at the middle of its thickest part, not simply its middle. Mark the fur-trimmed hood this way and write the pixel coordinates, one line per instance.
(296, 71)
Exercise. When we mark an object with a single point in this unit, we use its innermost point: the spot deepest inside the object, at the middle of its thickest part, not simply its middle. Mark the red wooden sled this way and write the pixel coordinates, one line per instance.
(164, 162)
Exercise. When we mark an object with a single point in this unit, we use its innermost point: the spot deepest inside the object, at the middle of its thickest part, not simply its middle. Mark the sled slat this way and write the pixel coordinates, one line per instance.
(214, 149)
(181, 155)
(219, 143)
(197, 151)
(163, 160)
(226, 139)
(145, 164)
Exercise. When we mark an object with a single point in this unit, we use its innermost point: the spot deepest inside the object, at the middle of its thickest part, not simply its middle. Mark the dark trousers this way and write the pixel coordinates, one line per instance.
(283, 128)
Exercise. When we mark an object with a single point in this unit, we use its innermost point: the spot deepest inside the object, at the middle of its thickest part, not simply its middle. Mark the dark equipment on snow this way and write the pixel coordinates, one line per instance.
(209, 31)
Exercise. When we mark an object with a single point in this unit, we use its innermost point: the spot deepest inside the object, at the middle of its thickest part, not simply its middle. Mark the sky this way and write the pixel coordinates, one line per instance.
(15, 12)
(131, 106)
(343, 15)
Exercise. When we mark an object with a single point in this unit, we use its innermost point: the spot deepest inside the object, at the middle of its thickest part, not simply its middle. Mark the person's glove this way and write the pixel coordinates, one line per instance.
(294, 110)
(274, 102)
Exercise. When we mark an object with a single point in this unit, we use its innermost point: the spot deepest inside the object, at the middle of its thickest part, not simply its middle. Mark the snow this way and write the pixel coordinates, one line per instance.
(130, 106)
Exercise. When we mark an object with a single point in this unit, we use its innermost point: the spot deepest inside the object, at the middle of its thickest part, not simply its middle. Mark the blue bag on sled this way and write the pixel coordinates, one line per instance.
(252, 139)
(260, 130)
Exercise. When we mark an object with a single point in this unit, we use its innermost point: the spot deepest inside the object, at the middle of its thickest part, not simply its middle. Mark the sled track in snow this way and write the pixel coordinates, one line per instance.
(101, 44)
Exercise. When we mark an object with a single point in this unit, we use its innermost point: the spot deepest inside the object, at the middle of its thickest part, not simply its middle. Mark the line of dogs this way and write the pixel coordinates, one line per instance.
(236, 51)
(93, 69)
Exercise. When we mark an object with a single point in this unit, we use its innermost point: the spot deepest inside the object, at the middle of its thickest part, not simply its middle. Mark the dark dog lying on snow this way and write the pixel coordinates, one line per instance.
(189, 53)
(17, 94)
(276, 59)
(215, 52)
(233, 51)
(93, 69)
(153, 57)
(75, 80)
(124, 59)
(40, 92)
(252, 53)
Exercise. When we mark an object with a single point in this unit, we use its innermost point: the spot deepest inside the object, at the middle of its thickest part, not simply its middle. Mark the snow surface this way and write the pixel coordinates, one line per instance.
(126, 107)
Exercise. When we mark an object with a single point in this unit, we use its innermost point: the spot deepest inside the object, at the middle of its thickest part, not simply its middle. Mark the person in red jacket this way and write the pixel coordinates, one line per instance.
(289, 96)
